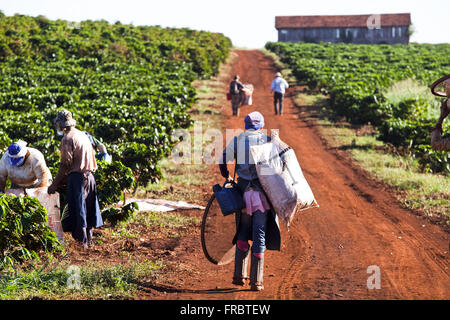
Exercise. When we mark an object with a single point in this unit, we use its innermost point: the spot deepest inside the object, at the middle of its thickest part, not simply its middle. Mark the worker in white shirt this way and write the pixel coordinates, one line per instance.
(278, 88)
(24, 167)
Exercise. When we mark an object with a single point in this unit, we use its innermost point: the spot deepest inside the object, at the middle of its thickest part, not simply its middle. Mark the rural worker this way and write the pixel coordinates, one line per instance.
(258, 221)
(100, 148)
(437, 142)
(76, 170)
(278, 88)
(235, 92)
(25, 167)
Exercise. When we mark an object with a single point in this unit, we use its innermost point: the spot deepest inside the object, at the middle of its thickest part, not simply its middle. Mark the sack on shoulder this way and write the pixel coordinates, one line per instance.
(282, 179)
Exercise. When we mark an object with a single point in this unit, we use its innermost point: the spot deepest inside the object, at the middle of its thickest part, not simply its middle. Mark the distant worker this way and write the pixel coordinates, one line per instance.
(99, 148)
(24, 167)
(278, 88)
(235, 91)
(437, 142)
(76, 170)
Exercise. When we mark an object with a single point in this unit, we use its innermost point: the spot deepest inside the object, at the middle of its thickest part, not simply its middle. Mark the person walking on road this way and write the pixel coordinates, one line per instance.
(76, 170)
(235, 92)
(278, 88)
(24, 167)
(257, 222)
(437, 142)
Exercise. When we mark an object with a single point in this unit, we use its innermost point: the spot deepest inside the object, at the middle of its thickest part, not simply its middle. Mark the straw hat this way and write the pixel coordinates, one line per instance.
(64, 118)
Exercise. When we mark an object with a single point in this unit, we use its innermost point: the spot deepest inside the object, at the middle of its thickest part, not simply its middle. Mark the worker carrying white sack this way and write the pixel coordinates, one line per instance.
(24, 167)
(282, 178)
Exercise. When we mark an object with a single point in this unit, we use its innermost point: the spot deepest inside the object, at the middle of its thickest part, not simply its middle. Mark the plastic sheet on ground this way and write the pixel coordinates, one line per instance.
(49, 202)
(162, 205)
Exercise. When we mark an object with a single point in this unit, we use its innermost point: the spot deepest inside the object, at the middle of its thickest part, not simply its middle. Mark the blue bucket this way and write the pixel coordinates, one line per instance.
(230, 198)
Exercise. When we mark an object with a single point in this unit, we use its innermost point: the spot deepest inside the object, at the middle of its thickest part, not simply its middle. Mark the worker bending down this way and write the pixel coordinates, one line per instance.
(25, 167)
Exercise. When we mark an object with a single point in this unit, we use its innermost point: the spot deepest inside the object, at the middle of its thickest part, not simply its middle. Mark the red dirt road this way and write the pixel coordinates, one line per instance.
(327, 252)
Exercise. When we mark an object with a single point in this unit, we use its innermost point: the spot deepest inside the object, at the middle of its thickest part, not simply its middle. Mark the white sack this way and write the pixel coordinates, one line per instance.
(282, 179)
(246, 97)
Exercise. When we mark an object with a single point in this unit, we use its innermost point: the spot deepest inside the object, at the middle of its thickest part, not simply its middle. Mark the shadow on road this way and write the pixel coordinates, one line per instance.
(169, 289)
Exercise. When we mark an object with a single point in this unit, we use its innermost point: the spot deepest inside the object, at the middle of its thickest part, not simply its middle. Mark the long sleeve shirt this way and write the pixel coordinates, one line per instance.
(236, 87)
(32, 173)
(279, 85)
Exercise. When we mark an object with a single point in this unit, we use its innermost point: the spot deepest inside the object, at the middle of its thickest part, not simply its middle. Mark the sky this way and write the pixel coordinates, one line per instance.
(248, 23)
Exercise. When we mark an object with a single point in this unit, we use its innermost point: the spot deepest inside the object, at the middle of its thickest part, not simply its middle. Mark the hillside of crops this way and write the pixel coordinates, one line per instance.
(356, 79)
(130, 86)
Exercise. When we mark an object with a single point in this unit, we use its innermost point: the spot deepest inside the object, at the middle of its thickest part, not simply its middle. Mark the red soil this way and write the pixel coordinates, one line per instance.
(328, 250)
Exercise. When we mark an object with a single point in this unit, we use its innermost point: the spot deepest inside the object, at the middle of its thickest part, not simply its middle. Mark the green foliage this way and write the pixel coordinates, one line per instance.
(432, 160)
(129, 86)
(112, 180)
(359, 78)
(120, 281)
(23, 230)
(118, 215)
(406, 132)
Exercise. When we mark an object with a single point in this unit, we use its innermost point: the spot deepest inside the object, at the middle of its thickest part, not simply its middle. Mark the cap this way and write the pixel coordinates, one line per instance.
(16, 152)
(254, 120)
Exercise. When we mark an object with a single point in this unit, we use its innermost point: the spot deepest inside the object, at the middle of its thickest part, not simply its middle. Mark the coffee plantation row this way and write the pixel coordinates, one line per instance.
(130, 86)
(356, 77)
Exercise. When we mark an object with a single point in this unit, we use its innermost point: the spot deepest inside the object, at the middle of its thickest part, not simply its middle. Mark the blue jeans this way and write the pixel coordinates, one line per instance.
(254, 227)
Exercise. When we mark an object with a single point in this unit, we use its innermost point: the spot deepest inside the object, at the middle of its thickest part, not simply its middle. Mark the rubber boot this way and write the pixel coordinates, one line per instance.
(256, 273)
(240, 267)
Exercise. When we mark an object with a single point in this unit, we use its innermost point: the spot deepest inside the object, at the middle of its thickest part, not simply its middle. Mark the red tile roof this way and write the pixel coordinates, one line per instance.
(347, 21)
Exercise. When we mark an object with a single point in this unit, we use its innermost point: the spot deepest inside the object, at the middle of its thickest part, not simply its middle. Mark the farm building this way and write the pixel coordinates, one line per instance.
(365, 29)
